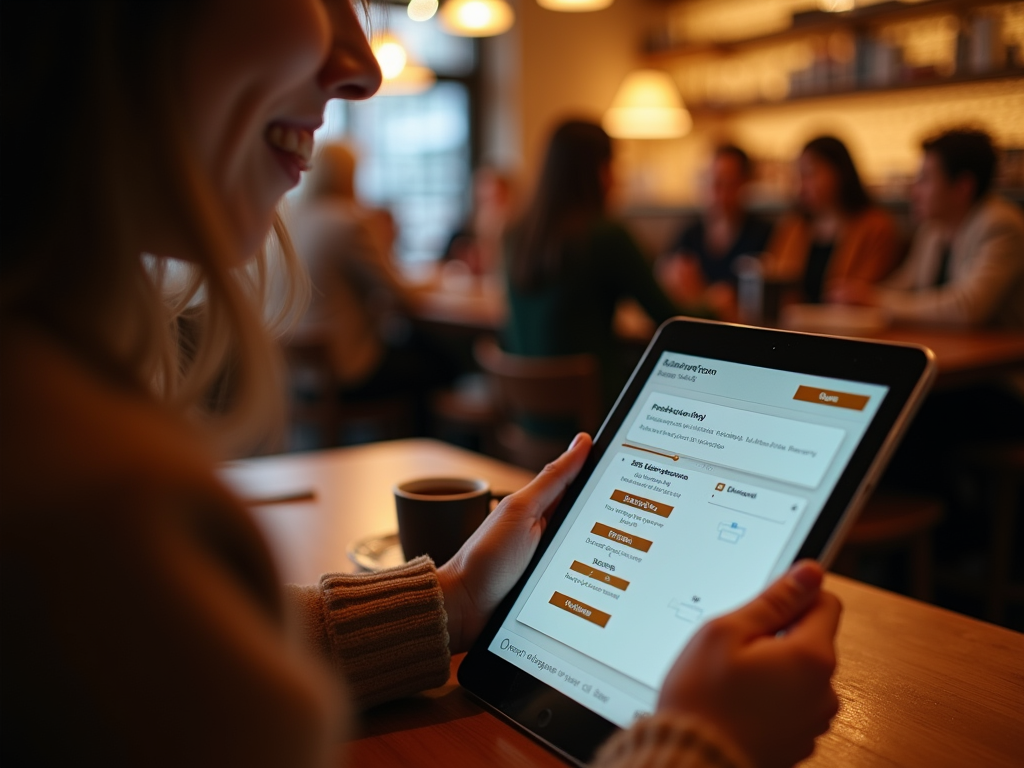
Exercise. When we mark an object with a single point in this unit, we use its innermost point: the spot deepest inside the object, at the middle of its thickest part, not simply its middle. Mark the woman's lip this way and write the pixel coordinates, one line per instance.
(291, 163)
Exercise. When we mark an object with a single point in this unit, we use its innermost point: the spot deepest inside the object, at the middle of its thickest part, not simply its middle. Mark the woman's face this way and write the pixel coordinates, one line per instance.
(257, 76)
(819, 184)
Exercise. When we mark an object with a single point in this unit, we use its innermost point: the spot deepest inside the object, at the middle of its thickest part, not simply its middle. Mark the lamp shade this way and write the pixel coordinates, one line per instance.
(411, 80)
(391, 56)
(574, 6)
(476, 18)
(647, 106)
(401, 76)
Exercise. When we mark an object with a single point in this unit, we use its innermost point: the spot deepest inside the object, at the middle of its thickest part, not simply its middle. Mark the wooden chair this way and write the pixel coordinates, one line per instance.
(315, 401)
(891, 521)
(543, 388)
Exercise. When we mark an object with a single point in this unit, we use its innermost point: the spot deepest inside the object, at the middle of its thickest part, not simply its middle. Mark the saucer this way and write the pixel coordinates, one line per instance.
(375, 553)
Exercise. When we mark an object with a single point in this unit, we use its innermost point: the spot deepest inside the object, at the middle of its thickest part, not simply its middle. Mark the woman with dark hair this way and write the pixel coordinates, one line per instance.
(568, 264)
(838, 235)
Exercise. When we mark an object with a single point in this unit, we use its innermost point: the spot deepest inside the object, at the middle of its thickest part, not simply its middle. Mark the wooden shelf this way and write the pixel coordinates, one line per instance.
(938, 82)
(816, 23)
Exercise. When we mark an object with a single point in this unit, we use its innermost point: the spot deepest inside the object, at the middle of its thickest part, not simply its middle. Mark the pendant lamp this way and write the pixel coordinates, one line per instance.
(401, 76)
(647, 106)
(421, 10)
(476, 18)
(574, 6)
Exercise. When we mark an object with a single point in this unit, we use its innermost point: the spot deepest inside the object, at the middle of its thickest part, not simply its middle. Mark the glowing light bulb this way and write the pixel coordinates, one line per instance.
(476, 18)
(421, 10)
(391, 56)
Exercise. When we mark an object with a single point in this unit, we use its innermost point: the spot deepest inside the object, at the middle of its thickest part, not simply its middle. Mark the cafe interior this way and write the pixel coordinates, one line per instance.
(412, 360)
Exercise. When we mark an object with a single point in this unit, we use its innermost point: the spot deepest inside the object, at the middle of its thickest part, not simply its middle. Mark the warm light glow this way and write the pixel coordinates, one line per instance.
(476, 18)
(573, 6)
(836, 6)
(421, 10)
(390, 55)
(647, 106)
(402, 77)
(412, 80)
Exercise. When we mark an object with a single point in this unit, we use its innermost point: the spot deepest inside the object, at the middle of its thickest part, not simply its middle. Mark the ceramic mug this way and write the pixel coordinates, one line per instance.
(436, 515)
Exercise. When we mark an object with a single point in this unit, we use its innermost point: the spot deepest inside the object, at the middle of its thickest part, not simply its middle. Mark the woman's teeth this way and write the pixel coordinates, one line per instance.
(295, 141)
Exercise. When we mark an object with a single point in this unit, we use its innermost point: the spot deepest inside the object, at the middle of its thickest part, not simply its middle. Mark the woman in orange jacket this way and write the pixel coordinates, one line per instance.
(837, 235)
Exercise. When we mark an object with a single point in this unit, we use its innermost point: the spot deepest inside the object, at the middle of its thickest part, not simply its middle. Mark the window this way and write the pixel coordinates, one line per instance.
(415, 151)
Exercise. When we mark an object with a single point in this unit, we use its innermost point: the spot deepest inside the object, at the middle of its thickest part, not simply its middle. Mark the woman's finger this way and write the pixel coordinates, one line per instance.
(782, 603)
(819, 624)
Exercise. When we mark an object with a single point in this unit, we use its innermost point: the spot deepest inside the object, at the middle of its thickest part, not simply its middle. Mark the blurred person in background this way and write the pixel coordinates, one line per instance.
(965, 269)
(699, 268)
(966, 262)
(478, 242)
(569, 264)
(838, 236)
(360, 308)
(144, 622)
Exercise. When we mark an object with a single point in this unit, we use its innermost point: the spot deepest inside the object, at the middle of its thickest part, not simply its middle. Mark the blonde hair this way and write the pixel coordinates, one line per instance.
(192, 337)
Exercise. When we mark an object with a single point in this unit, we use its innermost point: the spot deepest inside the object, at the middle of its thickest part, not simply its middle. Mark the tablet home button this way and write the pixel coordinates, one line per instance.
(544, 718)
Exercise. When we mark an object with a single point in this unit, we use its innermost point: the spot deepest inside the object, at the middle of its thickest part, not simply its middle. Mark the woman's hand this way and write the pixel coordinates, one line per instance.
(770, 694)
(489, 564)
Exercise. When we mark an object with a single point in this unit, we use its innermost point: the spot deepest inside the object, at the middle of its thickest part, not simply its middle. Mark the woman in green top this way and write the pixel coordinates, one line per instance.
(568, 264)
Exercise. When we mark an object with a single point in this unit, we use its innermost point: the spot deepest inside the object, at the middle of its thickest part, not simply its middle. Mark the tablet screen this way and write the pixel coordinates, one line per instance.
(706, 492)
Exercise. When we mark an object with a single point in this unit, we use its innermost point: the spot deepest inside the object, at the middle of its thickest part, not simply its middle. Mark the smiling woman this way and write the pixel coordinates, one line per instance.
(188, 157)
(144, 623)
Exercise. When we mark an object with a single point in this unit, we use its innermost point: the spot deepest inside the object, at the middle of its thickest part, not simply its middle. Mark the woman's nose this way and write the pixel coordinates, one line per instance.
(351, 70)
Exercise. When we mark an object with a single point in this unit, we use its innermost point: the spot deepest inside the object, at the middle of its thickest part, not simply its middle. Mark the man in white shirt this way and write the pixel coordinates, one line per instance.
(966, 264)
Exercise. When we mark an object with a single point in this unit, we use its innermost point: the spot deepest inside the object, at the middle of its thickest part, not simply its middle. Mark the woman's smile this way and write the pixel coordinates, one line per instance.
(292, 145)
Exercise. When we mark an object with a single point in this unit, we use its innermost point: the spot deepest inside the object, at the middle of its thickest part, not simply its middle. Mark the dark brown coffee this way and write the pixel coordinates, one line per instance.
(437, 515)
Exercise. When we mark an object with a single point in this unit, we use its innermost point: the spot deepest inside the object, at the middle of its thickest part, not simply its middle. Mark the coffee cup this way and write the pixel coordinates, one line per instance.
(437, 514)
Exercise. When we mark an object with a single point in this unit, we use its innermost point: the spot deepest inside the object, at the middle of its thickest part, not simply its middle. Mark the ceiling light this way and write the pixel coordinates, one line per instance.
(647, 106)
(476, 18)
(391, 56)
(573, 6)
(421, 10)
(413, 79)
(402, 76)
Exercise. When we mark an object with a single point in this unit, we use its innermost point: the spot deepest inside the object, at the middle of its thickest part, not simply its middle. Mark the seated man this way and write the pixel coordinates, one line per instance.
(966, 264)
(700, 268)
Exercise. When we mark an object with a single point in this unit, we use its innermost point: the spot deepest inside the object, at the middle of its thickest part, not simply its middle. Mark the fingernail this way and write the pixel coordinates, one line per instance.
(575, 442)
(807, 575)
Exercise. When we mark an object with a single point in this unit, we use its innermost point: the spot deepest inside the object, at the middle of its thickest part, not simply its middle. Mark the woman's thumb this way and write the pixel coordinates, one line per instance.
(783, 602)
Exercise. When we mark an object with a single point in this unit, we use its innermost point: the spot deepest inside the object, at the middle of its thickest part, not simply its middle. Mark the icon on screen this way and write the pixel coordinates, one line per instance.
(720, 487)
(685, 611)
(730, 532)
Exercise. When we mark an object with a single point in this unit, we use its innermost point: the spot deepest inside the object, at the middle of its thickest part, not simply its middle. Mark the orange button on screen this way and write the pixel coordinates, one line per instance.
(621, 537)
(829, 397)
(648, 505)
(582, 610)
(599, 575)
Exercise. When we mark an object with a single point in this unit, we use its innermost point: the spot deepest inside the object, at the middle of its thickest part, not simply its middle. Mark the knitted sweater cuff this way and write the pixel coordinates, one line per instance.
(387, 632)
(670, 739)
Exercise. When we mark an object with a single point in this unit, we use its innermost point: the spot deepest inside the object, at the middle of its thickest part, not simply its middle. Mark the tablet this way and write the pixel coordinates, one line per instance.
(732, 452)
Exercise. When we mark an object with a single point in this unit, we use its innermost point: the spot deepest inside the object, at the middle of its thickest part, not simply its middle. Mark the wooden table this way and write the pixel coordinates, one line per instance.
(966, 357)
(920, 686)
(963, 357)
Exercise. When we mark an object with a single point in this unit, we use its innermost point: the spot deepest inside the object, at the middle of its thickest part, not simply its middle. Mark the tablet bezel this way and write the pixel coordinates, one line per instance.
(907, 370)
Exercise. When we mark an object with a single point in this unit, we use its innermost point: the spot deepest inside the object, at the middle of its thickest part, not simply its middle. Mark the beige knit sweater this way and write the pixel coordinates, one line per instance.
(142, 619)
